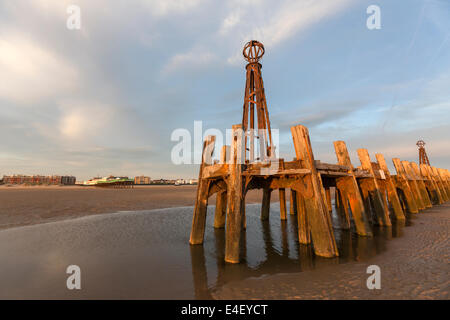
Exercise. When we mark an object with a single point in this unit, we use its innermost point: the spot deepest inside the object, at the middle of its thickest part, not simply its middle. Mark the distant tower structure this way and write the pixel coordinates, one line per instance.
(423, 158)
(255, 98)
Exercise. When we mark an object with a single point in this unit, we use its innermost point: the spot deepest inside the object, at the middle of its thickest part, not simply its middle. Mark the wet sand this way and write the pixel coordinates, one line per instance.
(31, 205)
(414, 266)
(146, 255)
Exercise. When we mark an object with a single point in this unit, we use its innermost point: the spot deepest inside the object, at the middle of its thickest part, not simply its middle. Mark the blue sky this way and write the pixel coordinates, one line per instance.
(105, 99)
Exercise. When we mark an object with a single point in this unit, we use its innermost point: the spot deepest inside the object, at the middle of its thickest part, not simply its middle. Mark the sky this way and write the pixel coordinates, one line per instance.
(106, 98)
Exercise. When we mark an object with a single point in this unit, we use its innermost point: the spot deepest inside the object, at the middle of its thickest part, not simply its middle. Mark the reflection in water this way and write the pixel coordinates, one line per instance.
(146, 255)
(281, 251)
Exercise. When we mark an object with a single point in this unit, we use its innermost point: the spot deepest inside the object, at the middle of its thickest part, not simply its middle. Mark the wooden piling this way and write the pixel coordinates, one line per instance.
(431, 184)
(315, 206)
(414, 187)
(341, 204)
(391, 189)
(421, 184)
(265, 207)
(328, 195)
(381, 210)
(201, 203)
(293, 202)
(304, 230)
(221, 209)
(440, 184)
(282, 196)
(234, 197)
(221, 196)
(445, 182)
(403, 184)
(349, 191)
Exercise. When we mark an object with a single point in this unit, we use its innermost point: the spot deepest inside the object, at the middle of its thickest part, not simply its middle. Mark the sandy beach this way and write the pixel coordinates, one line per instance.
(414, 266)
(31, 205)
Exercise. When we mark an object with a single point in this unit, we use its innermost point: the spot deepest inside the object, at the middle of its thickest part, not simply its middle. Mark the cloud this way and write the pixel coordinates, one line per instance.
(31, 72)
(82, 121)
(273, 26)
(170, 7)
(318, 113)
(193, 59)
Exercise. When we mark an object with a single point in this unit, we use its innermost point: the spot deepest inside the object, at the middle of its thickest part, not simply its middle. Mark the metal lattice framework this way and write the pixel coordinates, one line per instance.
(255, 98)
(423, 158)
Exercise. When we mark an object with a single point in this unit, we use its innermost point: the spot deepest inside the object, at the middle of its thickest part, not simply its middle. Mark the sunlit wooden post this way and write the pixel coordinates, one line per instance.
(402, 183)
(380, 209)
(201, 203)
(349, 191)
(316, 208)
(235, 197)
(391, 189)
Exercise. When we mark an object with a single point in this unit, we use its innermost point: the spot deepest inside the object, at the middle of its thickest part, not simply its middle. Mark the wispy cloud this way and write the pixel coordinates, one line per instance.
(195, 59)
(259, 20)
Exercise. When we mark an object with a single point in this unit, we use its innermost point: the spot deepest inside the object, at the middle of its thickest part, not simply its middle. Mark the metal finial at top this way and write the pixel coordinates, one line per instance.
(420, 143)
(253, 51)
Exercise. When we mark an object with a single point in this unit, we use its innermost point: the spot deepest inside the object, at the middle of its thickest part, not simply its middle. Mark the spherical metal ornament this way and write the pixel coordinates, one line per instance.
(253, 51)
(420, 143)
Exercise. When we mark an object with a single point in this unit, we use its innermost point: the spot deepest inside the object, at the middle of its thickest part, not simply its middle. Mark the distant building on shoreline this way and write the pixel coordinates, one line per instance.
(39, 180)
(109, 181)
(185, 181)
(142, 180)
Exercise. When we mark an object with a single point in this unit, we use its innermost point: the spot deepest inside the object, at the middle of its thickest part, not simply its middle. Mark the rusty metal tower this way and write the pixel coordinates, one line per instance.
(255, 98)
(423, 158)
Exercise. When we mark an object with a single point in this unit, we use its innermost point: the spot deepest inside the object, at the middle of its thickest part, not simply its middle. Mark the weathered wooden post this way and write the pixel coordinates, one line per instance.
(431, 184)
(391, 190)
(235, 196)
(420, 187)
(282, 196)
(265, 207)
(304, 229)
(380, 209)
(293, 202)
(414, 187)
(445, 181)
(440, 183)
(221, 196)
(342, 209)
(315, 207)
(201, 203)
(421, 184)
(447, 178)
(349, 191)
(403, 184)
(328, 195)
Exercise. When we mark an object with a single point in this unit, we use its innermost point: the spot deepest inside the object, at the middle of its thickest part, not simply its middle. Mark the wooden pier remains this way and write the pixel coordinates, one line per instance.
(367, 195)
